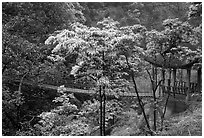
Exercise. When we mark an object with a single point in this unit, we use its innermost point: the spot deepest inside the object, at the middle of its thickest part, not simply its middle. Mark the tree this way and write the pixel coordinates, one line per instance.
(35, 21)
(106, 57)
(94, 52)
(177, 44)
(179, 40)
(25, 26)
(195, 13)
(104, 53)
(149, 14)
(68, 119)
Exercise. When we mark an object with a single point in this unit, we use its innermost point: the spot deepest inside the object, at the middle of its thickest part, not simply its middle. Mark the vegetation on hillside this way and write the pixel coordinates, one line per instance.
(101, 47)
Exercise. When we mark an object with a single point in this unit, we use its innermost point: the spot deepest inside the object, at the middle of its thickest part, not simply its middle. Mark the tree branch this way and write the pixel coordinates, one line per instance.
(138, 97)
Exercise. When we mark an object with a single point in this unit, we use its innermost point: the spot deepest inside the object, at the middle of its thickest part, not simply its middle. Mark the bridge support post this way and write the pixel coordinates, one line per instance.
(188, 84)
(163, 81)
(199, 76)
(174, 82)
(169, 82)
(180, 74)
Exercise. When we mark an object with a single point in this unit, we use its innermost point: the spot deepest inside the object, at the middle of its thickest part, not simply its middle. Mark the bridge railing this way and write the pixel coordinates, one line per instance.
(180, 88)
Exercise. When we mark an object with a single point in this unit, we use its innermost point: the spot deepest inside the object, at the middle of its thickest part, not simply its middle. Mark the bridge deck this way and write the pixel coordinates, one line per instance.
(82, 91)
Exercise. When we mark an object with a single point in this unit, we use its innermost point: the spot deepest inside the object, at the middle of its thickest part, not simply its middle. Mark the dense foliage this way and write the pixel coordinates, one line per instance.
(97, 46)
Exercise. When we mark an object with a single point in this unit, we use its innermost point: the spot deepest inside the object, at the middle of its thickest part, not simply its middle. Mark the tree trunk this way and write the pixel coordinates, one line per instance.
(174, 83)
(154, 82)
(188, 84)
(138, 97)
(101, 112)
(165, 106)
(104, 111)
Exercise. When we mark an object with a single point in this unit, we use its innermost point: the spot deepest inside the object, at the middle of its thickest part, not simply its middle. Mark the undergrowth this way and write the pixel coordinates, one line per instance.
(187, 123)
